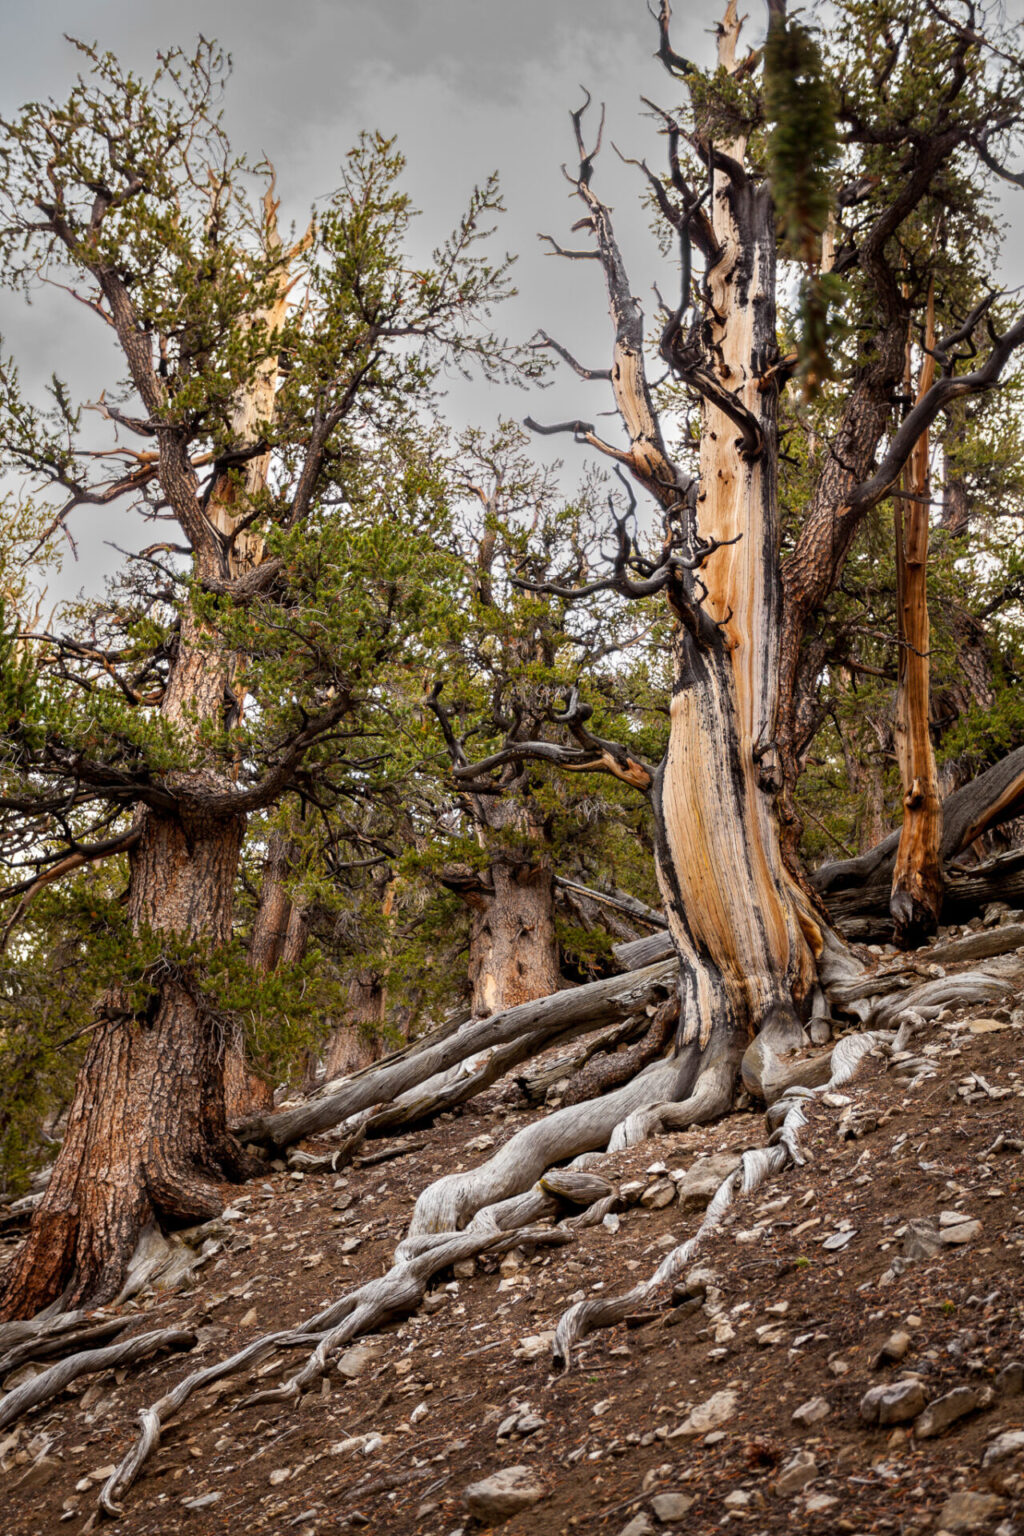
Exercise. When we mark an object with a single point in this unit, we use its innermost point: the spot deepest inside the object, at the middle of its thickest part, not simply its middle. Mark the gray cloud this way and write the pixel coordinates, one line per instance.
(467, 85)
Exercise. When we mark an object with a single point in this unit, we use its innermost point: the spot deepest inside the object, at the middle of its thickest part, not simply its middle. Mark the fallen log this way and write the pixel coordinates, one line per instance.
(995, 796)
(966, 893)
(597, 1004)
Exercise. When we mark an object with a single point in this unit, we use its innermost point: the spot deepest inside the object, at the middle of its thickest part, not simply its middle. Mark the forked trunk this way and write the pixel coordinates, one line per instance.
(146, 1136)
(278, 936)
(916, 900)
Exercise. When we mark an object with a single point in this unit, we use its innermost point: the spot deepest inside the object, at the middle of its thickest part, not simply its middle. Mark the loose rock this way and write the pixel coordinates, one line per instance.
(944, 1411)
(701, 1182)
(967, 1512)
(719, 1408)
(504, 1494)
(670, 1507)
(796, 1474)
(1008, 1444)
(811, 1412)
(656, 1196)
(892, 1404)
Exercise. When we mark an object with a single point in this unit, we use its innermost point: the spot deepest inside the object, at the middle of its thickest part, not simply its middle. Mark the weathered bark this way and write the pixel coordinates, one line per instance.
(513, 950)
(146, 1133)
(741, 927)
(916, 900)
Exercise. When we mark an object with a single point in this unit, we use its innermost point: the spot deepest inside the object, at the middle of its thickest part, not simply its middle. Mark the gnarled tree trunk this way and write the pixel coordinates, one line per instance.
(146, 1136)
(742, 928)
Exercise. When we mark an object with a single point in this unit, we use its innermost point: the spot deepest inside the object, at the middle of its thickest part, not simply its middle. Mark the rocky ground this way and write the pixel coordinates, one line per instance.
(846, 1356)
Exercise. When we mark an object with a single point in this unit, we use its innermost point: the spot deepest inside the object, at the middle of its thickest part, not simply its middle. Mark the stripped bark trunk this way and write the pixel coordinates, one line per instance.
(741, 927)
(916, 900)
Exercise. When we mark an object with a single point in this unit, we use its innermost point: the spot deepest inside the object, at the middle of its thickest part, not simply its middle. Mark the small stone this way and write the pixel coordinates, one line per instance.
(717, 1410)
(611, 1221)
(817, 1503)
(892, 1404)
(249, 1318)
(894, 1348)
(965, 1513)
(464, 1269)
(702, 1181)
(656, 1196)
(279, 1475)
(965, 1233)
(669, 1508)
(529, 1424)
(921, 1240)
(419, 1413)
(796, 1474)
(945, 1410)
(535, 1345)
(640, 1525)
(41, 1472)
(372, 1444)
(357, 1359)
(1011, 1443)
(504, 1494)
(480, 1144)
(820, 1031)
(811, 1412)
(738, 1499)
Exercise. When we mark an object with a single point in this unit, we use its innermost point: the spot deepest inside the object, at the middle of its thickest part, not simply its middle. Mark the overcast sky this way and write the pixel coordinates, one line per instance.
(469, 86)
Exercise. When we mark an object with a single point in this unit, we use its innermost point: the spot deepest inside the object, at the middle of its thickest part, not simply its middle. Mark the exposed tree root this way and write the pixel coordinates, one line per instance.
(498, 1205)
(41, 1388)
(359, 1312)
(755, 1167)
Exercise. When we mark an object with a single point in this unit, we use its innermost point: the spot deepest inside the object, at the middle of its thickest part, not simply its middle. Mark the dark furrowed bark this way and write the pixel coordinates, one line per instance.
(146, 1134)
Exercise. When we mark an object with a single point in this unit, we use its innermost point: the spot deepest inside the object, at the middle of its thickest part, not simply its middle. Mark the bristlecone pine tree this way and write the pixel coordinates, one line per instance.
(825, 165)
(269, 418)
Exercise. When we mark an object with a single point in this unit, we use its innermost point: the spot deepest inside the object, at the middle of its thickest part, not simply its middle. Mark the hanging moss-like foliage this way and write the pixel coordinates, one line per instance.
(802, 152)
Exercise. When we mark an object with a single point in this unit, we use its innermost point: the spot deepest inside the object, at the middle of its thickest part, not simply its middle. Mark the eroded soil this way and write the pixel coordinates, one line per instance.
(786, 1319)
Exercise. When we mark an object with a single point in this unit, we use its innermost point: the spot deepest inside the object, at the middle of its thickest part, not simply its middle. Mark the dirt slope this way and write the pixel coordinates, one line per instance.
(808, 1279)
